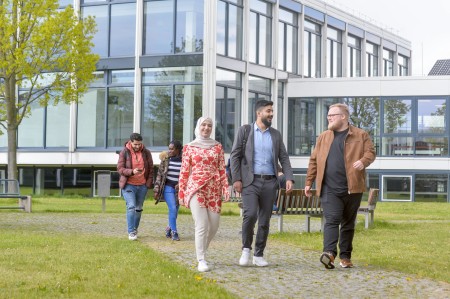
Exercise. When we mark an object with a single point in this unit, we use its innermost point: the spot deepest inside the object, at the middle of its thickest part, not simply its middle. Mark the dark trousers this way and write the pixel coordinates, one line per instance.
(339, 209)
(257, 201)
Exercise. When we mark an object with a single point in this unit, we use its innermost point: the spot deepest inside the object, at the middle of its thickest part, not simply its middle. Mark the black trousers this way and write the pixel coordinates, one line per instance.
(339, 210)
(257, 201)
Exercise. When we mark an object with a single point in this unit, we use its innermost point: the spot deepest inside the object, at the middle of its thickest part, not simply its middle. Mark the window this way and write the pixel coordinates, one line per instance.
(334, 52)
(280, 106)
(171, 104)
(431, 187)
(258, 89)
(403, 65)
(229, 28)
(287, 44)
(301, 126)
(116, 28)
(312, 50)
(228, 106)
(354, 56)
(105, 113)
(388, 62)
(47, 126)
(260, 43)
(173, 26)
(372, 60)
(415, 127)
(396, 188)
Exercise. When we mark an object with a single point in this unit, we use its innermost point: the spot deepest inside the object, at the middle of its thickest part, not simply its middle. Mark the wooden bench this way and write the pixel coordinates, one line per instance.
(297, 203)
(368, 211)
(11, 189)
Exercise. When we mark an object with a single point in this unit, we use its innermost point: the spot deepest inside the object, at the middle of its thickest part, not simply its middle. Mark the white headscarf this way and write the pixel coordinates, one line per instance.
(200, 141)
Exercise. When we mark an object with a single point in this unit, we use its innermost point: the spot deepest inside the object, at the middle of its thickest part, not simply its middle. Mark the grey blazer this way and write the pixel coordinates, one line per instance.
(242, 167)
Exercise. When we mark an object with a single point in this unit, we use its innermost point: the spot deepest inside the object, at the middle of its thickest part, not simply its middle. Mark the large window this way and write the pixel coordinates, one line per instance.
(228, 106)
(415, 127)
(171, 104)
(287, 40)
(301, 126)
(258, 89)
(105, 112)
(116, 27)
(354, 56)
(396, 188)
(372, 60)
(388, 62)
(173, 26)
(46, 127)
(403, 65)
(312, 50)
(334, 52)
(229, 28)
(260, 43)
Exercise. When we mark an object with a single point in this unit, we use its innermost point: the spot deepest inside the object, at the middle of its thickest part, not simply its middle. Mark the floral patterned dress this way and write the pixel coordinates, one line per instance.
(203, 173)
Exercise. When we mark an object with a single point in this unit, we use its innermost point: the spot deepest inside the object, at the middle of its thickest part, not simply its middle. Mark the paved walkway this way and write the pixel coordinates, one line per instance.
(293, 272)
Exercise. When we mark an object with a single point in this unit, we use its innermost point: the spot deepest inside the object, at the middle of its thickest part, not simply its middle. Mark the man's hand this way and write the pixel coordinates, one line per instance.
(237, 186)
(308, 191)
(289, 186)
(358, 165)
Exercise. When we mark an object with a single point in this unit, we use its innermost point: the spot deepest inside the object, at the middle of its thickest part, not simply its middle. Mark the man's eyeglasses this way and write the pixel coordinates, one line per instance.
(333, 115)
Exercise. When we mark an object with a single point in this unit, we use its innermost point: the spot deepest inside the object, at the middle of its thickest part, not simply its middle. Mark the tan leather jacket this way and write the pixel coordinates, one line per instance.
(358, 146)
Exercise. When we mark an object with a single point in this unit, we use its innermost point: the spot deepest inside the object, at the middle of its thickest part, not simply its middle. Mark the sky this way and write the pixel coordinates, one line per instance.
(426, 24)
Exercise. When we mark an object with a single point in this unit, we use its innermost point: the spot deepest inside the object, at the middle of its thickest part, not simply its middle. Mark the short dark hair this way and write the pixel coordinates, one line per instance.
(135, 136)
(177, 145)
(262, 103)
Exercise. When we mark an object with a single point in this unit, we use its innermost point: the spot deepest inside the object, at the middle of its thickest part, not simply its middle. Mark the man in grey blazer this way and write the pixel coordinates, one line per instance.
(257, 149)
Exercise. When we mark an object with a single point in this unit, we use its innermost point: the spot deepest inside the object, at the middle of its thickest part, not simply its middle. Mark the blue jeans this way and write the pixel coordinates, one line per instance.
(169, 196)
(134, 198)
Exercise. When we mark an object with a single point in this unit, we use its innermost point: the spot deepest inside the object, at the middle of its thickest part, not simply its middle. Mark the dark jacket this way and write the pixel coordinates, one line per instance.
(358, 146)
(242, 167)
(124, 167)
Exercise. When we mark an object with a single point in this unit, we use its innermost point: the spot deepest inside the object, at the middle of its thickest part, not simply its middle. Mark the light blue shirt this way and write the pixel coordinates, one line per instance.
(262, 161)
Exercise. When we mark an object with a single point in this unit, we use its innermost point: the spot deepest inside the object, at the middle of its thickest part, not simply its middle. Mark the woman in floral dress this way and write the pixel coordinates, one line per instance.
(202, 186)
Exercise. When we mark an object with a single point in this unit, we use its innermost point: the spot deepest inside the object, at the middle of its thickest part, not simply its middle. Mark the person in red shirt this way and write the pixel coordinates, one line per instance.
(135, 167)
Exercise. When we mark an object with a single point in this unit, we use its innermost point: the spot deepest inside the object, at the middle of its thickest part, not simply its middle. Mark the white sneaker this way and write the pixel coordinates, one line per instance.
(132, 236)
(245, 257)
(203, 266)
(260, 261)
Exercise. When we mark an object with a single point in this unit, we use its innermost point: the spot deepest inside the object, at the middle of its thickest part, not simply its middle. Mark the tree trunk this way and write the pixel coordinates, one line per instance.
(11, 111)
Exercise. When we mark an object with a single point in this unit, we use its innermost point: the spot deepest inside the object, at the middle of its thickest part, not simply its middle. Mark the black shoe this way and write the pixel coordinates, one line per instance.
(175, 236)
(168, 232)
(327, 259)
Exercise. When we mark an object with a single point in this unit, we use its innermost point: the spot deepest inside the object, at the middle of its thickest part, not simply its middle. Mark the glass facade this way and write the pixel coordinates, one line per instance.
(160, 89)
(173, 26)
(354, 56)
(260, 38)
(334, 52)
(230, 28)
(287, 40)
(388, 62)
(372, 60)
(312, 49)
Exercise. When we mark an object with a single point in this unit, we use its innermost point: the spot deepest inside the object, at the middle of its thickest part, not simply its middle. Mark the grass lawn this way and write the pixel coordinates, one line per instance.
(55, 265)
(409, 237)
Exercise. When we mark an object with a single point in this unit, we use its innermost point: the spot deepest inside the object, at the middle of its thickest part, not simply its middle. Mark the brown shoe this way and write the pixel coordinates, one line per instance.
(346, 263)
(327, 258)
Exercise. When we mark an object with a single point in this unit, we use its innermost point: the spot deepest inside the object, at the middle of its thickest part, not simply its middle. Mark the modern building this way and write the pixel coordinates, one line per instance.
(164, 63)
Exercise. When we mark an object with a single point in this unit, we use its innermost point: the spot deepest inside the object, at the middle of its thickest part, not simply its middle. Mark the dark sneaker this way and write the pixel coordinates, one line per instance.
(346, 263)
(327, 259)
(168, 232)
(175, 236)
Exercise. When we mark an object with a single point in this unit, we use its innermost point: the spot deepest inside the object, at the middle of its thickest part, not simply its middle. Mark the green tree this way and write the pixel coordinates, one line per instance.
(46, 53)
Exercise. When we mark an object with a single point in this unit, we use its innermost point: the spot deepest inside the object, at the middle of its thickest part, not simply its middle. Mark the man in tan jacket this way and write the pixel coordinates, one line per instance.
(337, 165)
